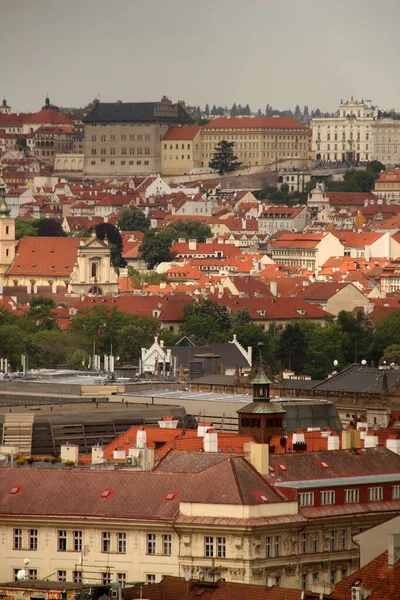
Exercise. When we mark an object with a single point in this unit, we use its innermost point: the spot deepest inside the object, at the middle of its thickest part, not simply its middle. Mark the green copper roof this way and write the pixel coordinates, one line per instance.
(5, 210)
(263, 408)
(261, 378)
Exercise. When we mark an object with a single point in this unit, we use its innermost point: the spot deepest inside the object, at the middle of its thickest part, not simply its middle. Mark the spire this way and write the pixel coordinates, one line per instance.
(261, 382)
(5, 210)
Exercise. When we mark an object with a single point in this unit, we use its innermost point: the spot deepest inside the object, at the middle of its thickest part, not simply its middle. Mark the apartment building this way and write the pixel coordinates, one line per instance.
(181, 150)
(386, 133)
(258, 140)
(307, 250)
(347, 137)
(275, 218)
(124, 138)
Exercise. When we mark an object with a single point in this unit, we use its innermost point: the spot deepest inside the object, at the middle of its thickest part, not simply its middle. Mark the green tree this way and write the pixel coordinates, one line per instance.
(53, 349)
(391, 355)
(207, 308)
(224, 159)
(241, 317)
(387, 333)
(234, 110)
(25, 228)
(156, 246)
(192, 230)
(50, 228)
(78, 360)
(207, 110)
(109, 231)
(356, 335)
(131, 340)
(41, 311)
(292, 348)
(375, 166)
(138, 278)
(133, 219)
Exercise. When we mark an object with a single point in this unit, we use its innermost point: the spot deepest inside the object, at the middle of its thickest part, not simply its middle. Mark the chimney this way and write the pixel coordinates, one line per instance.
(168, 422)
(210, 441)
(141, 438)
(258, 455)
(203, 427)
(350, 439)
(393, 549)
(333, 442)
(236, 381)
(192, 244)
(69, 452)
(371, 440)
(97, 455)
(393, 444)
(222, 367)
(298, 437)
(273, 287)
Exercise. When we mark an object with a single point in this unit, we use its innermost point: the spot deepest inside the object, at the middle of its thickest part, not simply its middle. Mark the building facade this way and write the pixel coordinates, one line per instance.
(258, 140)
(347, 137)
(181, 150)
(125, 138)
(386, 133)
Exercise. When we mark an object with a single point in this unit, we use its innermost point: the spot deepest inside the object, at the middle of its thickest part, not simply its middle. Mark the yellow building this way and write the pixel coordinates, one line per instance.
(258, 140)
(181, 150)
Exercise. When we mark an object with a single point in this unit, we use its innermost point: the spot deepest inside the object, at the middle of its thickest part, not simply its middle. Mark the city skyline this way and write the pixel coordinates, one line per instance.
(234, 53)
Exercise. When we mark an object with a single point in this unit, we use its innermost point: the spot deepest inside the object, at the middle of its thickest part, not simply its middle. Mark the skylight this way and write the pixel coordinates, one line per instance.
(283, 467)
(14, 490)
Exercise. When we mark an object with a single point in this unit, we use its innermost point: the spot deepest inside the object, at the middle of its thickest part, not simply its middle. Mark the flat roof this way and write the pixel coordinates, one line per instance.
(339, 481)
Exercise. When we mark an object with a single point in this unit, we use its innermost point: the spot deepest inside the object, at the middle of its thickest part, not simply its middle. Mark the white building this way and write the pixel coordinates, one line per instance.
(276, 218)
(386, 133)
(347, 137)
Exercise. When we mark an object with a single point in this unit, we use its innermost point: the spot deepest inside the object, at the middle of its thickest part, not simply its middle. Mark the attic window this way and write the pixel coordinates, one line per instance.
(282, 467)
(169, 496)
(325, 465)
(107, 493)
(263, 498)
(172, 495)
(15, 489)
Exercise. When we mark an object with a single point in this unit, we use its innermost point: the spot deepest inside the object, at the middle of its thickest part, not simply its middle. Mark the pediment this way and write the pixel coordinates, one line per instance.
(93, 243)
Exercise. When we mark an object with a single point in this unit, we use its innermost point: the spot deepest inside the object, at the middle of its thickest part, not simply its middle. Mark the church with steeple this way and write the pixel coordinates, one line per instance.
(7, 232)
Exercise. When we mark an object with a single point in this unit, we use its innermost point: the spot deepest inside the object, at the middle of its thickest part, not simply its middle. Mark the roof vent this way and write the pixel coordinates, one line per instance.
(15, 489)
(325, 465)
(282, 467)
(106, 493)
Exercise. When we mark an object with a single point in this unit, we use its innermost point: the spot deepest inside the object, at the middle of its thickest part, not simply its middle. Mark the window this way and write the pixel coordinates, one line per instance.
(131, 138)
(94, 269)
(78, 541)
(123, 138)
(303, 543)
(306, 499)
(103, 151)
(93, 162)
(375, 494)
(121, 579)
(268, 542)
(328, 497)
(343, 539)
(350, 496)
(61, 575)
(103, 138)
(32, 573)
(166, 545)
(344, 573)
(303, 581)
(315, 577)
(150, 578)
(221, 547)
(112, 138)
(209, 547)
(315, 542)
(7, 229)
(94, 151)
(332, 577)
(123, 150)
(151, 543)
(277, 545)
(277, 581)
(332, 541)
(112, 150)
(121, 543)
(17, 539)
(105, 578)
(33, 539)
(106, 541)
(15, 574)
(396, 492)
(77, 576)
(62, 541)
(94, 138)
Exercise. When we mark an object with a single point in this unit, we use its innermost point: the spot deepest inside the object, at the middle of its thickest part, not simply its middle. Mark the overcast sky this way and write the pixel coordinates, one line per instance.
(281, 52)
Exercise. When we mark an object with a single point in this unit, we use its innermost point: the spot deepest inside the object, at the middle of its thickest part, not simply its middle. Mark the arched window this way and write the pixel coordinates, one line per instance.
(94, 269)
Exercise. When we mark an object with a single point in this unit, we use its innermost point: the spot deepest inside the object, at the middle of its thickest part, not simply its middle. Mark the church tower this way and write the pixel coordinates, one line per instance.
(7, 233)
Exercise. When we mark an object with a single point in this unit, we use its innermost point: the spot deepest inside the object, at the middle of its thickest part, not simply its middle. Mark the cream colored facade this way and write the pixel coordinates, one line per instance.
(180, 156)
(386, 133)
(255, 143)
(347, 137)
(68, 162)
(179, 548)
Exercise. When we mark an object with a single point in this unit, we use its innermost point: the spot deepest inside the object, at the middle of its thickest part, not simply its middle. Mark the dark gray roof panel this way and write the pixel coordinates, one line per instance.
(357, 378)
(124, 112)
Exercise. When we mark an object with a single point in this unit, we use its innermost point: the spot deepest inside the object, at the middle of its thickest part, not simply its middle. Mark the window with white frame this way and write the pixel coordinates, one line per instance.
(209, 546)
(150, 578)
(332, 541)
(105, 578)
(106, 541)
(166, 544)
(32, 573)
(61, 575)
(151, 543)
(17, 539)
(221, 547)
(306, 499)
(121, 543)
(343, 539)
(33, 539)
(121, 579)
(77, 576)
(328, 497)
(62, 540)
(303, 581)
(303, 543)
(315, 577)
(268, 546)
(396, 492)
(375, 494)
(315, 542)
(77, 537)
(351, 496)
(277, 545)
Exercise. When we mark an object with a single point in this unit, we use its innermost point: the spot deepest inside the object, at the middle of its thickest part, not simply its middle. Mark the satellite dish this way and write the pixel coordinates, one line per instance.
(188, 575)
(364, 362)
(335, 362)
(21, 575)
(26, 561)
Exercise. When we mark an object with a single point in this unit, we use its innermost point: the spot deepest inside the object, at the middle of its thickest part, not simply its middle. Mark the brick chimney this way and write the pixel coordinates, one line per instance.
(393, 549)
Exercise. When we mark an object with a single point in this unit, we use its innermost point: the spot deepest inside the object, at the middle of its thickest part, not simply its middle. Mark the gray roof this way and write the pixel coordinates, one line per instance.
(228, 352)
(302, 415)
(262, 408)
(360, 379)
(228, 380)
(339, 481)
(121, 112)
(301, 384)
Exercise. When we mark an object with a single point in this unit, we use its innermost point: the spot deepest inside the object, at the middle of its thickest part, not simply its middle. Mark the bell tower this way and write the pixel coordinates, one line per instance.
(7, 232)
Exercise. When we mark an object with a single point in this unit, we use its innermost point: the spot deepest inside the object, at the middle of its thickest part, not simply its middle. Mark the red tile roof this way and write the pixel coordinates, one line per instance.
(46, 256)
(186, 132)
(255, 123)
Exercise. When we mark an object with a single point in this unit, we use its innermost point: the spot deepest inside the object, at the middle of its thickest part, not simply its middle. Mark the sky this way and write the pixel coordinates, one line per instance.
(282, 52)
